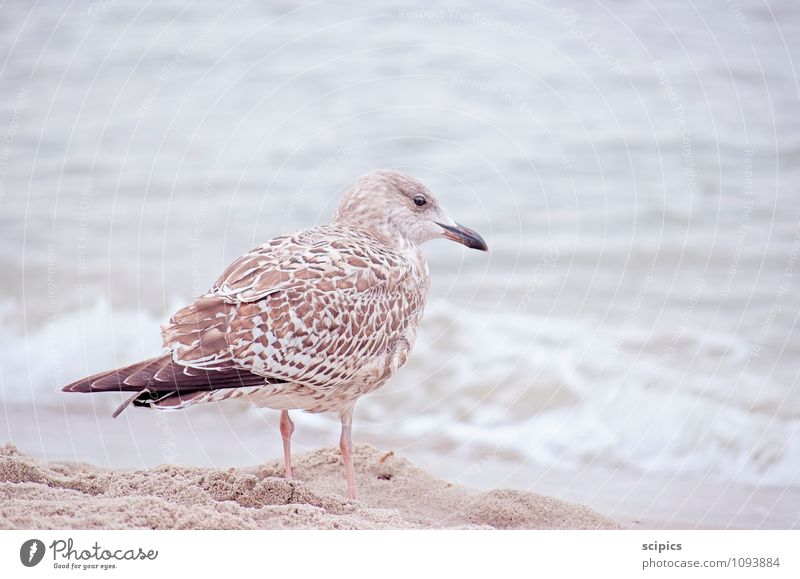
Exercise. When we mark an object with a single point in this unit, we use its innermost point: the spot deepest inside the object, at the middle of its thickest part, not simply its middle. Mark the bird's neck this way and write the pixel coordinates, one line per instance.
(385, 231)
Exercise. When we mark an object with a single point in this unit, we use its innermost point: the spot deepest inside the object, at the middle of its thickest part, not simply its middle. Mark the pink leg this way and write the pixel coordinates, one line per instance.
(346, 447)
(287, 428)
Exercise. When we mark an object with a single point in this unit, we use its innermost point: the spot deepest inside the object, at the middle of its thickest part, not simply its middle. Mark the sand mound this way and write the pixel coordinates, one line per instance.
(394, 494)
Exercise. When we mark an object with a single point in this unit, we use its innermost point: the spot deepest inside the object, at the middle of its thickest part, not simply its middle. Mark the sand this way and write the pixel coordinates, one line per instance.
(394, 495)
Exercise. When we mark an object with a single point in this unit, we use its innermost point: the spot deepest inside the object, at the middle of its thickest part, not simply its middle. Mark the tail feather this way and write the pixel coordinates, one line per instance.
(161, 378)
(125, 379)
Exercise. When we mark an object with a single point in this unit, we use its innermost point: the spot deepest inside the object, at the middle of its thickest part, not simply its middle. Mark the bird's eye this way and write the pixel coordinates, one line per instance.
(420, 200)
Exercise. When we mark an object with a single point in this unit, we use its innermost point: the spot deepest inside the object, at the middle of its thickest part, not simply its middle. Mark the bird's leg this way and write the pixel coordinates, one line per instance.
(287, 428)
(346, 447)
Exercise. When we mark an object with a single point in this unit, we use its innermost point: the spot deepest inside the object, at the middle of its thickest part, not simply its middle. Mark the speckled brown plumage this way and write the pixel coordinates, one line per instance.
(331, 312)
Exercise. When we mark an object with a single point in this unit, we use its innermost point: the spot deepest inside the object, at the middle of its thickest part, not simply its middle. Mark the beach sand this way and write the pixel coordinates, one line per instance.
(394, 494)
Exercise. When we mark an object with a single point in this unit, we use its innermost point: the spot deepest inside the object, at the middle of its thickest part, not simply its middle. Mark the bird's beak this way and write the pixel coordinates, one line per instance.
(464, 236)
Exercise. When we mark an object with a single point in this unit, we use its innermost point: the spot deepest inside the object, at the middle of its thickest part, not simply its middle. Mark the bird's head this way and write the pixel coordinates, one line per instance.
(401, 209)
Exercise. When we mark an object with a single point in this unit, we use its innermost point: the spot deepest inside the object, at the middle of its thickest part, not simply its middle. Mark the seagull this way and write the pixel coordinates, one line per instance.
(311, 320)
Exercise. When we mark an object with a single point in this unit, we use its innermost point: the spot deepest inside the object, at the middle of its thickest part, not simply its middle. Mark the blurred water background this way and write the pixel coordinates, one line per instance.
(634, 166)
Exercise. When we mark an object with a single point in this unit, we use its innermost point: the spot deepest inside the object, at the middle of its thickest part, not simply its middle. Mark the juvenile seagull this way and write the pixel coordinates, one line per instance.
(312, 320)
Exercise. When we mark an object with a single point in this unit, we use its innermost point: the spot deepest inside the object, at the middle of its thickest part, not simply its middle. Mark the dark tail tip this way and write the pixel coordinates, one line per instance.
(79, 386)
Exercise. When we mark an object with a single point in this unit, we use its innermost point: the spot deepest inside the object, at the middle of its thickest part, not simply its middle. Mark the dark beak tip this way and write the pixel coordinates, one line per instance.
(475, 241)
(465, 236)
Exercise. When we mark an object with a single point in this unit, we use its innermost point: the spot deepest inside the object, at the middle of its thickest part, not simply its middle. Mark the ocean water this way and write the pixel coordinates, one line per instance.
(634, 167)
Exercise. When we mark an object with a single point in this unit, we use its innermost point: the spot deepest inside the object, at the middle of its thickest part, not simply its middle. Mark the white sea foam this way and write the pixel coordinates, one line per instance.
(561, 395)
(555, 393)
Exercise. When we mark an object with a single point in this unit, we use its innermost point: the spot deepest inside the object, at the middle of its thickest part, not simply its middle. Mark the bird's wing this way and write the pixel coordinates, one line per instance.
(264, 269)
(310, 309)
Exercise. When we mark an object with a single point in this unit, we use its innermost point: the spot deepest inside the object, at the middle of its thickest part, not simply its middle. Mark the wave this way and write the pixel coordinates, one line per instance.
(561, 394)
